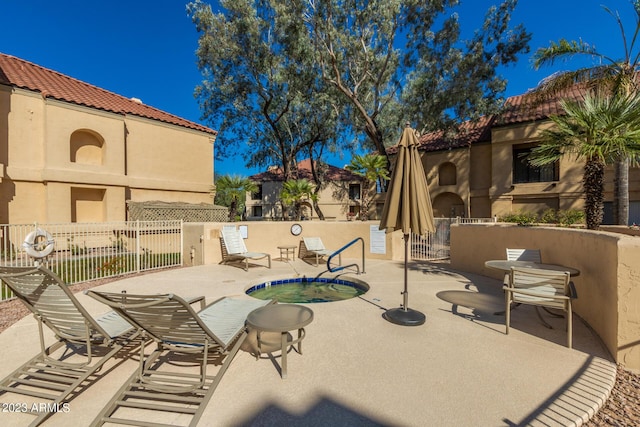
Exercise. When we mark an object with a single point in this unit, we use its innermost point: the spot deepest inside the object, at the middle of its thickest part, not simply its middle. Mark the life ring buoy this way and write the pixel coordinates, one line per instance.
(36, 247)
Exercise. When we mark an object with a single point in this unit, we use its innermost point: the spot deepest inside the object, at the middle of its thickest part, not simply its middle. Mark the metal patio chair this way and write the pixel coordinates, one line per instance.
(532, 255)
(541, 288)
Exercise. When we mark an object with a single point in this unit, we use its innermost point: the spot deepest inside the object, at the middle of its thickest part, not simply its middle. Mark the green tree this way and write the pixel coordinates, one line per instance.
(295, 193)
(598, 130)
(318, 169)
(614, 73)
(231, 191)
(444, 78)
(260, 88)
(280, 75)
(371, 167)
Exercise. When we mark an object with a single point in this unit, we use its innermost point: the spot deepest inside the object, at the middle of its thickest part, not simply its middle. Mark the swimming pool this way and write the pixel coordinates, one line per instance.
(308, 289)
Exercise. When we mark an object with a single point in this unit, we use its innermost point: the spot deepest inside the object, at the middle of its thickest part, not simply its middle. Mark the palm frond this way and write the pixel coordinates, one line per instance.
(600, 127)
(562, 50)
(602, 78)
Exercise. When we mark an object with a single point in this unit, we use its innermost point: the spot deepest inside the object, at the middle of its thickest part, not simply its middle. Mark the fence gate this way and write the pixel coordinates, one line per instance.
(432, 246)
(436, 246)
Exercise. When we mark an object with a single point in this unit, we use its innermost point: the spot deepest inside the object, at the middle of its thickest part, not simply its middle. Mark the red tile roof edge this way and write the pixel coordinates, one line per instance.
(52, 84)
(522, 108)
(470, 132)
(333, 173)
(517, 110)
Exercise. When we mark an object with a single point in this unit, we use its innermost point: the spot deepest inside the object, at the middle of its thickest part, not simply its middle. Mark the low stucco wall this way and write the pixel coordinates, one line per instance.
(608, 285)
(202, 240)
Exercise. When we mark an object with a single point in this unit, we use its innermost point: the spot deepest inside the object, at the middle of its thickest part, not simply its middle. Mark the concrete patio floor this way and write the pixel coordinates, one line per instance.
(459, 368)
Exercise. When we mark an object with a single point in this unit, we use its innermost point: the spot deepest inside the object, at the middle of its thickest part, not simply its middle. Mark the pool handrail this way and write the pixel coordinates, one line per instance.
(342, 267)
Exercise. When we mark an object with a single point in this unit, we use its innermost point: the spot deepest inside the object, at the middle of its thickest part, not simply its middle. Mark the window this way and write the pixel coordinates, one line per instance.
(354, 191)
(256, 211)
(523, 172)
(257, 195)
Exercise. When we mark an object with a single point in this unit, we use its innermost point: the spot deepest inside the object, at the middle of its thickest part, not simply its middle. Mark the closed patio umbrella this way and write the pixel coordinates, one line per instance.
(407, 207)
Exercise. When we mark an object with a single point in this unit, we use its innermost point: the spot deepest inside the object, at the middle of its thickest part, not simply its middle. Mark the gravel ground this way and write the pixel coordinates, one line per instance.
(623, 406)
(622, 409)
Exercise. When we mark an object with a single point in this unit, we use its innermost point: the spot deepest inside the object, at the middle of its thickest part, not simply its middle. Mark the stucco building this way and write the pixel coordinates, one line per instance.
(339, 197)
(481, 172)
(73, 152)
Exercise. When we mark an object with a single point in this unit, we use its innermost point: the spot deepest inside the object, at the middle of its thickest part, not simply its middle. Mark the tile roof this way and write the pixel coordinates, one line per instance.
(51, 84)
(470, 133)
(518, 109)
(331, 173)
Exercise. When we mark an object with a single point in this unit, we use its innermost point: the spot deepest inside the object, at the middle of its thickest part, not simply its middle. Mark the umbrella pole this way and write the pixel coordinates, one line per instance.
(404, 315)
(405, 294)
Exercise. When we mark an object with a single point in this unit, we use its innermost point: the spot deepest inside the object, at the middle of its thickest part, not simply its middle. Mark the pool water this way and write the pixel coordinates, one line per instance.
(308, 290)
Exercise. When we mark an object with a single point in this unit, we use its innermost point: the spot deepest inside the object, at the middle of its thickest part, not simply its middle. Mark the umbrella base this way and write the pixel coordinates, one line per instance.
(403, 317)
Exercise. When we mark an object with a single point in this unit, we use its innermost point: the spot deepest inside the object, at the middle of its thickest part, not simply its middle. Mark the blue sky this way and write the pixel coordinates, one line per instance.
(146, 48)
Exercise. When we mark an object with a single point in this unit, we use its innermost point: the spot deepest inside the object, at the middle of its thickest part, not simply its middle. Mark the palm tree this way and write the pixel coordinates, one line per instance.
(231, 191)
(371, 167)
(600, 130)
(612, 74)
(295, 193)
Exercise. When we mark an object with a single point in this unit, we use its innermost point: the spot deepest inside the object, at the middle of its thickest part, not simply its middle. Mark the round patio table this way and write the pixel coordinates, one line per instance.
(505, 265)
(280, 318)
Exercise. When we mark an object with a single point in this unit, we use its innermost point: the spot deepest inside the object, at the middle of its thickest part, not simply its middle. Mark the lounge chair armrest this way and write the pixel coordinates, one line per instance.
(201, 299)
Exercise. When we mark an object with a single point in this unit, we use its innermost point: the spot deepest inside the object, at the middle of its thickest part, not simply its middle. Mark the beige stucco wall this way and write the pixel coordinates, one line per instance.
(480, 180)
(133, 159)
(608, 285)
(170, 158)
(448, 197)
(203, 239)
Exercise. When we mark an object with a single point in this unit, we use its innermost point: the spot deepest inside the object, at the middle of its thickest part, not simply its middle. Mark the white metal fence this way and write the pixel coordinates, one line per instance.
(89, 251)
(436, 246)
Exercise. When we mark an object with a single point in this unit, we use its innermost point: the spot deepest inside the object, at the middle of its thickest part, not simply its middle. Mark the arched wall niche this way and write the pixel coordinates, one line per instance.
(86, 147)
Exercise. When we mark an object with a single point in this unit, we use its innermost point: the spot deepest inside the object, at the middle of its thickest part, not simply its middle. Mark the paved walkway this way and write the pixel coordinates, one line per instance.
(459, 368)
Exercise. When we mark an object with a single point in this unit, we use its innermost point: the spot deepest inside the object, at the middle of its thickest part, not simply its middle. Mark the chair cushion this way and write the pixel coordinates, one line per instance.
(113, 324)
(225, 318)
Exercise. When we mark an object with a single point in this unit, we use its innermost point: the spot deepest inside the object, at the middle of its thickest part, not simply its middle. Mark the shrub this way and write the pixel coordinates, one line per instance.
(549, 216)
(570, 216)
(521, 218)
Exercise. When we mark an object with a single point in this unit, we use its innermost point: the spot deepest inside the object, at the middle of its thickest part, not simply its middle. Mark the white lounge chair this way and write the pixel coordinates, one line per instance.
(234, 250)
(312, 247)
